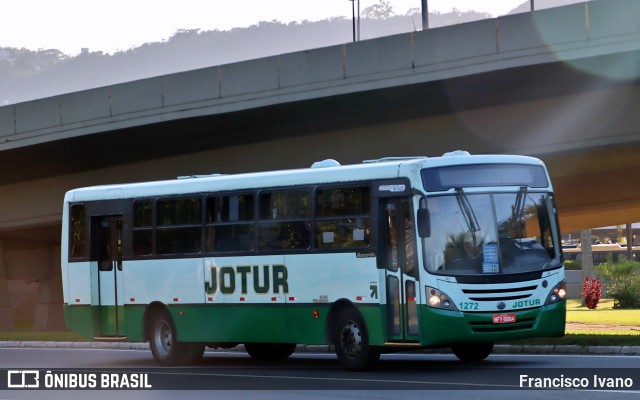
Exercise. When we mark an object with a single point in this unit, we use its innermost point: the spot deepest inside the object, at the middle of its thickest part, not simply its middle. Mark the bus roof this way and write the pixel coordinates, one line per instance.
(327, 171)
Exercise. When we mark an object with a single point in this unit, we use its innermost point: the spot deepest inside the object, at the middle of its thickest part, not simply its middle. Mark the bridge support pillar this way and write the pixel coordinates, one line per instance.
(48, 314)
(6, 314)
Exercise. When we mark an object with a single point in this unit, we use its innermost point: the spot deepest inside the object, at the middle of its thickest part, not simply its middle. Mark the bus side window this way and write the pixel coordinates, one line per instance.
(230, 223)
(179, 224)
(142, 228)
(343, 217)
(285, 220)
(105, 249)
(391, 237)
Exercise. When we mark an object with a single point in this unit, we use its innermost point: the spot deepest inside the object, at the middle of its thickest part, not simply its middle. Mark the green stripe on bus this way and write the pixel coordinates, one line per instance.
(235, 323)
(226, 323)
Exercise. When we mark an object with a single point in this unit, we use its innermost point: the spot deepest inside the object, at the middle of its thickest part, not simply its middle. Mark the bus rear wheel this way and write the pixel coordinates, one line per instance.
(270, 351)
(351, 340)
(165, 348)
(472, 352)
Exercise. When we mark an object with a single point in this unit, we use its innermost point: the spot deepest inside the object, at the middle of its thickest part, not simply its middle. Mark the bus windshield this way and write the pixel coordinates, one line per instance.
(500, 233)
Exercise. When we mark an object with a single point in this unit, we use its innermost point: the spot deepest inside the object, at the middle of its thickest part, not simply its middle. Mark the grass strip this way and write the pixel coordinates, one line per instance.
(605, 314)
(585, 338)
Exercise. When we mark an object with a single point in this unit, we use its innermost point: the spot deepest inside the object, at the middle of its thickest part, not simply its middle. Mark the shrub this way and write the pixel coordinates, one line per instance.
(623, 282)
(591, 292)
(572, 265)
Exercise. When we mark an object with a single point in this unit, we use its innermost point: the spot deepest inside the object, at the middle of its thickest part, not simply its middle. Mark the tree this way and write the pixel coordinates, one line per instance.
(412, 11)
(382, 10)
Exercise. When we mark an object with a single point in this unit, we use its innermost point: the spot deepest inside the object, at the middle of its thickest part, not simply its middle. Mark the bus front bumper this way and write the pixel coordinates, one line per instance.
(443, 327)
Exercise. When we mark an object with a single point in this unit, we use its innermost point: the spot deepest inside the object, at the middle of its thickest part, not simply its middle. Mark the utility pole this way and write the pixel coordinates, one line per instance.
(358, 35)
(353, 17)
(425, 14)
(629, 241)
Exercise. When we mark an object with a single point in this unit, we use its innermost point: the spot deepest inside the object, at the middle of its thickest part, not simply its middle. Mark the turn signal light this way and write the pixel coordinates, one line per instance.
(439, 299)
(559, 292)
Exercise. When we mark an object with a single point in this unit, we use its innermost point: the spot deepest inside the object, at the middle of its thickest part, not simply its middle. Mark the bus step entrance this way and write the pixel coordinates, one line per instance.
(109, 338)
(403, 344)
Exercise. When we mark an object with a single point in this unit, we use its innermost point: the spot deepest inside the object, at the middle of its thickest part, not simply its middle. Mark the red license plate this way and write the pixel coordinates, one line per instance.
(504, 318)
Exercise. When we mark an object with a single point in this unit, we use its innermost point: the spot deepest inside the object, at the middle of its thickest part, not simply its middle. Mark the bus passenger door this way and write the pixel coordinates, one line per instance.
(106, 242)
(401, 269)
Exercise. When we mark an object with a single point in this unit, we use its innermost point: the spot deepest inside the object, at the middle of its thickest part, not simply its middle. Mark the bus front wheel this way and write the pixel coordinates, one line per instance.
(351, 341)
(472, 352)
(165, 348)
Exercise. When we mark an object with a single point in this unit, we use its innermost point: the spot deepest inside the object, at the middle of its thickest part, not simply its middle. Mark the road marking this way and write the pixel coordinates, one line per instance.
(334, 379)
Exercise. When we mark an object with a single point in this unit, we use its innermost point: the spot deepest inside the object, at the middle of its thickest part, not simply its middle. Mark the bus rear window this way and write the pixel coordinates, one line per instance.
(77, 232)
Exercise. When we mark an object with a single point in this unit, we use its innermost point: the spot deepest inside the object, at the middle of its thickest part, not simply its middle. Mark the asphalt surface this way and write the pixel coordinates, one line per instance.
(308, 375)
(498, 349)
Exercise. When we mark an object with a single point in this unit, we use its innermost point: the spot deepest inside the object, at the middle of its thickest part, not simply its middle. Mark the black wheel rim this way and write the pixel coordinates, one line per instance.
(351, 340)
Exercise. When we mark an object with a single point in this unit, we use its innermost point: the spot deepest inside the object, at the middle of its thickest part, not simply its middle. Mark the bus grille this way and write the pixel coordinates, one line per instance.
(516, 293)
(488, 327)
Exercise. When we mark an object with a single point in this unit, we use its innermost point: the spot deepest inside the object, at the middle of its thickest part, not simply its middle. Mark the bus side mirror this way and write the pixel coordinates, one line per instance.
(424, 223)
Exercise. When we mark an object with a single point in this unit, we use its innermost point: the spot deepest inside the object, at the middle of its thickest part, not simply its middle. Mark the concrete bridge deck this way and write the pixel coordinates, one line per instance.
(561, 84)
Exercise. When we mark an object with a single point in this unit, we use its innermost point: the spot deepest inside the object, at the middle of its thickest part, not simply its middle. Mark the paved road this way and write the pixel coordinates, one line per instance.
(318, 376)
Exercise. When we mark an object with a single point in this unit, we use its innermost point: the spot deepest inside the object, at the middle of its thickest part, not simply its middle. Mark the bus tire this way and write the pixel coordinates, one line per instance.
(270, 351)
(472, 352)
(193, 352)
(165, 348)
(351, 341)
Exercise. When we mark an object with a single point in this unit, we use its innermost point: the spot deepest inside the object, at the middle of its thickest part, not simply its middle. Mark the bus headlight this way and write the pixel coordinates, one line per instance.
(558, 293)
(439, 299)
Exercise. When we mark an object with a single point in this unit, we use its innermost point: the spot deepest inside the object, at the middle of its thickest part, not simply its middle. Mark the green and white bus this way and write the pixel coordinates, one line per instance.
(456, 251)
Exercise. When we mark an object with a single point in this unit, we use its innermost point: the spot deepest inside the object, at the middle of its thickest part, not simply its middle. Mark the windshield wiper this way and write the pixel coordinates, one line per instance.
(517, 210)
(469, 216)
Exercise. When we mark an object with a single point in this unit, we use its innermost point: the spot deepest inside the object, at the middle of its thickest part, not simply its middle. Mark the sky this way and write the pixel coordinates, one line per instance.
(118, 25)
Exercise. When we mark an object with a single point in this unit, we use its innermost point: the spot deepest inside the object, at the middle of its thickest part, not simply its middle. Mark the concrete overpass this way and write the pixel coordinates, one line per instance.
(561, 84)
